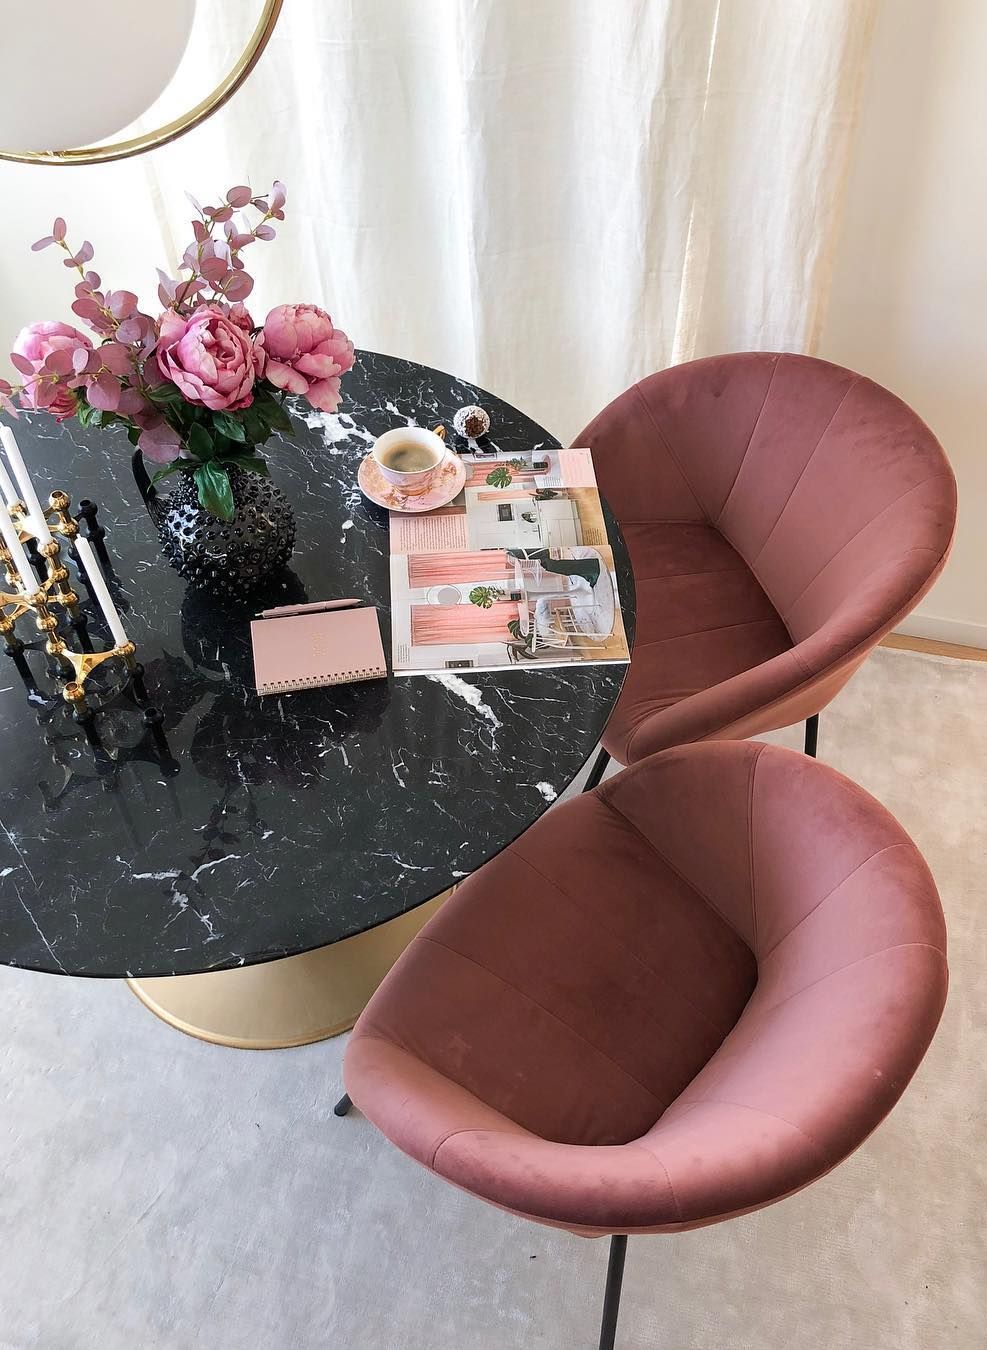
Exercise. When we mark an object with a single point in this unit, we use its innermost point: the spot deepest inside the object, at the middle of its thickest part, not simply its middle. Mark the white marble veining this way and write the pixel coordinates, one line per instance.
(266, 826)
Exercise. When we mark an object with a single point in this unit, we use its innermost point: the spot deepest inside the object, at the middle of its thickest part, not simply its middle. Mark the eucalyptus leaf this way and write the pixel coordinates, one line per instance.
(215, 490)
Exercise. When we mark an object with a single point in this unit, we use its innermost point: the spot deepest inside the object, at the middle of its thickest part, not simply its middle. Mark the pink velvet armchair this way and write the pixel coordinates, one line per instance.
(676, 999)
(782, 515)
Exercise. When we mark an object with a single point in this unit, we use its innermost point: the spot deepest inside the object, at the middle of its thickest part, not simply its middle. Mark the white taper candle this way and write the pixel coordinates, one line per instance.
(7, 489)
(15, 548)
(28, 495)
(96, 580)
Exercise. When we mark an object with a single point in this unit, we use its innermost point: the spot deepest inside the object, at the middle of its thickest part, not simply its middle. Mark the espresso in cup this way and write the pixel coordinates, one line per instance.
(408, 458)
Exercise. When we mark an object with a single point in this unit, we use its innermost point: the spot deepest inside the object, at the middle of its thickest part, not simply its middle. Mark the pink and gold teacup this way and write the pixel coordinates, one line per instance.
(408, 458)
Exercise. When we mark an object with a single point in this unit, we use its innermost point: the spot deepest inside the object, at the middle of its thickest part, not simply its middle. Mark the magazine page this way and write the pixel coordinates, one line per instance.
(516, 570)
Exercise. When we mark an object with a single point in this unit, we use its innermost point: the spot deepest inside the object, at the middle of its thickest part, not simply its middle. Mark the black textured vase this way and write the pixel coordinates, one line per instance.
(229, 559)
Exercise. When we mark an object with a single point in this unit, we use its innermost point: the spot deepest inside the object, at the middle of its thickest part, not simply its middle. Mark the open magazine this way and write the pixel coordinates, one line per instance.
(516, 570)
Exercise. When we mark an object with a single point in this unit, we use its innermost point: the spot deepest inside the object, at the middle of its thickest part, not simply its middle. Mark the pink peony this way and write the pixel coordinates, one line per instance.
(210, 357)
(240, 315)
(306, 354)
(37, 346)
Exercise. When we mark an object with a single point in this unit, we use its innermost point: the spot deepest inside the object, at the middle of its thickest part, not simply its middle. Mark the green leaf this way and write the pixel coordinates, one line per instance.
(133, 435)
(165, 393)
(255, 425)
(200, 443)
(167, 469)
(279, 419)
(230, 427)
(272, 412)
(252, 463)
(215, 492)
(499, 477)
(484, 596)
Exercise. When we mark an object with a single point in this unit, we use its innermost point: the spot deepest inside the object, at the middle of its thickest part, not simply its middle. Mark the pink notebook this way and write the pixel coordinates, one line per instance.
(308, 651)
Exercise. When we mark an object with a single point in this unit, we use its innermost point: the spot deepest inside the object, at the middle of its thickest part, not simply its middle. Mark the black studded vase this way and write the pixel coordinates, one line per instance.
(229, 559)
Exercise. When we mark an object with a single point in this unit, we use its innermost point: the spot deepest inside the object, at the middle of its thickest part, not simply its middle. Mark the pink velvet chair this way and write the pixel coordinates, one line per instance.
(675, 999)
(782, 515)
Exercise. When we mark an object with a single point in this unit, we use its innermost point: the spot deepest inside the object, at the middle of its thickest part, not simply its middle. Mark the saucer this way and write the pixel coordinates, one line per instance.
(449, 481)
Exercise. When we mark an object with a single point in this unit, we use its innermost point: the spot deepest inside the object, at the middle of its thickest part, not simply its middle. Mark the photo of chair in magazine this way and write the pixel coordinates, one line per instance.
(517, 570)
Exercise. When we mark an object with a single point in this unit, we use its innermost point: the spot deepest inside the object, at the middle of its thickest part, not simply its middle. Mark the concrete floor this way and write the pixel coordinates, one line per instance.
(159, 1192)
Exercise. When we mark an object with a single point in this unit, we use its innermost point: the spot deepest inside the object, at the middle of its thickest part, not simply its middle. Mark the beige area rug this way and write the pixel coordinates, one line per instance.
(159, 1192)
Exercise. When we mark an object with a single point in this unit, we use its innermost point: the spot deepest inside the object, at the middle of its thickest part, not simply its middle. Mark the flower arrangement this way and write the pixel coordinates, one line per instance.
(200, 386)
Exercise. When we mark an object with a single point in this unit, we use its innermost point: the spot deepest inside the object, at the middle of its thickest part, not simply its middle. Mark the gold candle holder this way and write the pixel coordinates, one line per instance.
(83, 664)
(59, 520)
(12, 604)
(57, 584)
(59, 517)
(55, 591)
(6, 561)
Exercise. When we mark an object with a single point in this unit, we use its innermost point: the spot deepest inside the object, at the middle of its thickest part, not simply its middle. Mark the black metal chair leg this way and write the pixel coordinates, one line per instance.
(598, 770)
(811, 734)
(342, 1106)
(611, 1299)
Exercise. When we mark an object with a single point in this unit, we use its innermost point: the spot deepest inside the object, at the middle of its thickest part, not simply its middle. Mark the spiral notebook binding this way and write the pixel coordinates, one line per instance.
(323, 681)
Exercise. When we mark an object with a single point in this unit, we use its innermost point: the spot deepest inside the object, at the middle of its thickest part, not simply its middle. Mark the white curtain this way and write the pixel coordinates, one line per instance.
(552, 199)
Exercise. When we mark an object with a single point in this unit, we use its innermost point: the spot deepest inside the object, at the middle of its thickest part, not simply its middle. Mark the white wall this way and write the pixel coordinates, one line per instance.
(909, 299)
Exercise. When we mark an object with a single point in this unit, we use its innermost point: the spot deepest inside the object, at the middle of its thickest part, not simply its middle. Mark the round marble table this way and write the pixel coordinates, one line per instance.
(268, 828)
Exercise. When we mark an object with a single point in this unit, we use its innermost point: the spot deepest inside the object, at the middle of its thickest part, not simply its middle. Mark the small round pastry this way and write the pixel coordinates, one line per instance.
(472, 421)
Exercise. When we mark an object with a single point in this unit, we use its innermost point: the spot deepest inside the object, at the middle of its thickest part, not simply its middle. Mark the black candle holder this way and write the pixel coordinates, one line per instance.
(88, 514)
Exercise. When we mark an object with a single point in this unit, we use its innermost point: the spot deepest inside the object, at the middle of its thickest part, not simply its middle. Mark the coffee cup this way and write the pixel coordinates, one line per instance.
(408, 458)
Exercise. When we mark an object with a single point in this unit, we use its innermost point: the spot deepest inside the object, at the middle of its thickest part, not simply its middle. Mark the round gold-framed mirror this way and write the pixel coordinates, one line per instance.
(160, 53)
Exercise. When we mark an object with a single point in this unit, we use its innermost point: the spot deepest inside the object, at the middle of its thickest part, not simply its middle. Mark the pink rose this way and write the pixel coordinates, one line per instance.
(40, 348)
(306, 354)
(210, 357)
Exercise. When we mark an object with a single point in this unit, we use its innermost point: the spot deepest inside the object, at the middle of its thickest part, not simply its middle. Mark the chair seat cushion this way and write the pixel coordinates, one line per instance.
(585, 992)
(702, 618)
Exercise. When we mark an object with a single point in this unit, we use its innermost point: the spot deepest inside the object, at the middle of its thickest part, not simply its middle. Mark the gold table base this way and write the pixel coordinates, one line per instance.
(292, 1001)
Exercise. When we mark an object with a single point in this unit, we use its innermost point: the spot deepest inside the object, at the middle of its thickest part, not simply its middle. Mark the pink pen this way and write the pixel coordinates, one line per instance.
(318, 607)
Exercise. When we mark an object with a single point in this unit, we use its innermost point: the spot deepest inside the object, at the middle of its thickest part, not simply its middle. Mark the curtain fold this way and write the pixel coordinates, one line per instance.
(552, 200)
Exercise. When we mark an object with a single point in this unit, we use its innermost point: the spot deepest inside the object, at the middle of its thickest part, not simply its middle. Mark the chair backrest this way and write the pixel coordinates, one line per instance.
(835, 493)
(842, 914)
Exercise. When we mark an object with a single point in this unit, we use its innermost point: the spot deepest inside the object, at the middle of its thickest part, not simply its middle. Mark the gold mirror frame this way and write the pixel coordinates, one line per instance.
(150, 140)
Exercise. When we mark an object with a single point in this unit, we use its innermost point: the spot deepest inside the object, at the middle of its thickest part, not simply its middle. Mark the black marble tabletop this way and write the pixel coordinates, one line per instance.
(268, 826)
